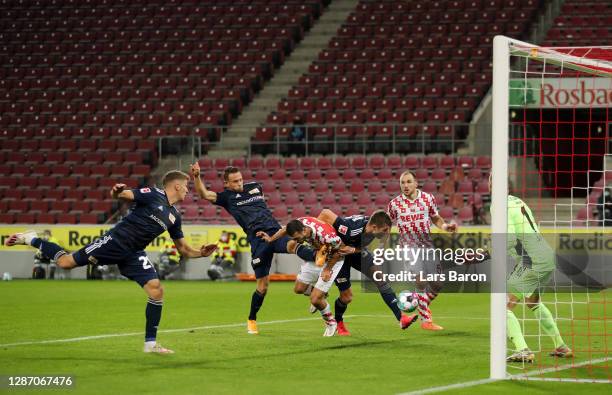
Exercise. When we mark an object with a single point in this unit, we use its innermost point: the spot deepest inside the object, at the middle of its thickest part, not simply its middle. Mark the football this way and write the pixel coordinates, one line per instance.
(408, 301)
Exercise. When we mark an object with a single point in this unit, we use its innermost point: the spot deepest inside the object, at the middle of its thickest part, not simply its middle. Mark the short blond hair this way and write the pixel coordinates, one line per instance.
(174, 175)
(406, 173)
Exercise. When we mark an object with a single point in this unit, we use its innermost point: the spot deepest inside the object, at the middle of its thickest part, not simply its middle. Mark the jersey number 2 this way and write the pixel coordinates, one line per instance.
(146, 264)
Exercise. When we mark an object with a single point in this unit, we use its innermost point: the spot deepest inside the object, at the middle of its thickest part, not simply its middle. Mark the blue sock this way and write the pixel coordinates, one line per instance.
(50, 250)
(153, 314)
(339, 309)
(306, 253)
(390, 299)
(256, 302)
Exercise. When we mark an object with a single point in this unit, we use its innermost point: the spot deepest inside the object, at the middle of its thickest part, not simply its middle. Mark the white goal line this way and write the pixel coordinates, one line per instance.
(236, 325)
(525, 376)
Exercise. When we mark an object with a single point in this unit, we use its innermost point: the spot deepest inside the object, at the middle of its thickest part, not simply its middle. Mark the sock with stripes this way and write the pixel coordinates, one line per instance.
(153, 314)
(423, 307)
(326, 313)
(425, 299)
(50, 250)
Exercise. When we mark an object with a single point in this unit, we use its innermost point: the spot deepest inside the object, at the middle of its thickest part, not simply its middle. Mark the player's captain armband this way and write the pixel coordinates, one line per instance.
(145, 190)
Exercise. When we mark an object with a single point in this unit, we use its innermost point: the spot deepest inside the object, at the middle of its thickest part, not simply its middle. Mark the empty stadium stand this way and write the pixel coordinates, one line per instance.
(404, 71)
(581, 23)
(87, 87)
(348, 185)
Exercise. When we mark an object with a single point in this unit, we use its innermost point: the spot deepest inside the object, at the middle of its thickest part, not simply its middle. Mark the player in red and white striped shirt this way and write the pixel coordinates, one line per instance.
(317, 279)
(414, 211)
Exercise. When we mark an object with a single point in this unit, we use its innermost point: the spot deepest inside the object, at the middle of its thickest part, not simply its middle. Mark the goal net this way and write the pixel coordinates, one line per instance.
(552, 169)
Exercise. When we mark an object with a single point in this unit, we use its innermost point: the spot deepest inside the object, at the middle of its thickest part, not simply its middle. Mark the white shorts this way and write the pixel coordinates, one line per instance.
(311, 274)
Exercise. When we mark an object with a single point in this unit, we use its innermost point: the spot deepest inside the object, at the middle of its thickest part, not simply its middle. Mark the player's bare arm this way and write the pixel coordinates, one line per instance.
(190, 252)
(199, 185)
(269, 239)
(118, 191)
(440, 223)
(327, 216)
(347, 250)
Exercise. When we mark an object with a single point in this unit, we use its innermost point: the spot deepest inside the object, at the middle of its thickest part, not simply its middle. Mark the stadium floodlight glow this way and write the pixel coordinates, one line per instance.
(537, 89)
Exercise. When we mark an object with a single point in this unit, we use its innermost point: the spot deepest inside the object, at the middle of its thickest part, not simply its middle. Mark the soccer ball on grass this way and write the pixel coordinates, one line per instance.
(408, 301)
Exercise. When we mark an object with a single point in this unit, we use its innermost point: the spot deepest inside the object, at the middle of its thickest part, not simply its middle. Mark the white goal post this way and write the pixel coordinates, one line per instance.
(586, 60)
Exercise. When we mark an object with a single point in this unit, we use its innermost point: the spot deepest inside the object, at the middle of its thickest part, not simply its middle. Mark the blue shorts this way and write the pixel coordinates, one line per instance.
(361, 261)
(262, 253)
(105, 251)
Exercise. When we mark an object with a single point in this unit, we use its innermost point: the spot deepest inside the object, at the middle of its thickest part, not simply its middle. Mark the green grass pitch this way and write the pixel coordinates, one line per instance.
(218, 357)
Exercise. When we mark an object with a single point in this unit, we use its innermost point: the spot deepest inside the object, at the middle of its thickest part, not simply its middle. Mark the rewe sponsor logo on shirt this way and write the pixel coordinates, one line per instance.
(413, 217)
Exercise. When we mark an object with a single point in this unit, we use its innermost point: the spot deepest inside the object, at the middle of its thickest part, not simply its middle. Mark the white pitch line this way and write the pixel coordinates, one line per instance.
(110, 335)
(567, 380)
(559, 368)
(450, 387)
(195, 328)
(526, 376)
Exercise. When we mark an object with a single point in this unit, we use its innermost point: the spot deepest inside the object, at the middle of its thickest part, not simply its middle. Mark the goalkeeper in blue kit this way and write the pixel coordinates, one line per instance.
(535, 263)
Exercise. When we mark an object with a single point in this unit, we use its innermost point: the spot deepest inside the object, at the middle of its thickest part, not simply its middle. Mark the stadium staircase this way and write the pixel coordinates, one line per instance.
(235, 142)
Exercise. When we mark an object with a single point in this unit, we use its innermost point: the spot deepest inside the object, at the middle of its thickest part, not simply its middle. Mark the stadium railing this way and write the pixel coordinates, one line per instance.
(340, 139)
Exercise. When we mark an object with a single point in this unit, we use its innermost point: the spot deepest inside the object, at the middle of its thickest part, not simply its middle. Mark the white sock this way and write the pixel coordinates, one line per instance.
(326, 312)
(150, 344)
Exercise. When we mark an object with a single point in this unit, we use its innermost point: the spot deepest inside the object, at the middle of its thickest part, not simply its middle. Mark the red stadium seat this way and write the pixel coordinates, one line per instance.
(328, 200)
(292, 199)
(465, 162)
(66, 219)
(7, 218)
(375, 187)
(466, 215)
(307, 163)
(438, 175)
(298, 211)
(366, 174)
(446, 212)
(465, 187)
(421, 174)
(280, 213)
(88, 218)
(358, 162)
(357, 186)
(323, 162)
(341, 162)
(376, 162)
(45, 218)
(430, 187)
(412, 162)
(482, 187)
(310, 199)
(273, 162)
(321, 187)
(430, 162)
(483, 162)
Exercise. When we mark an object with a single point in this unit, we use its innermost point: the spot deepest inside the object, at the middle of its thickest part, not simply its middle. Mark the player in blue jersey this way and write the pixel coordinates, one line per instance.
(246, 203)
(152, 214)
(359, 231)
